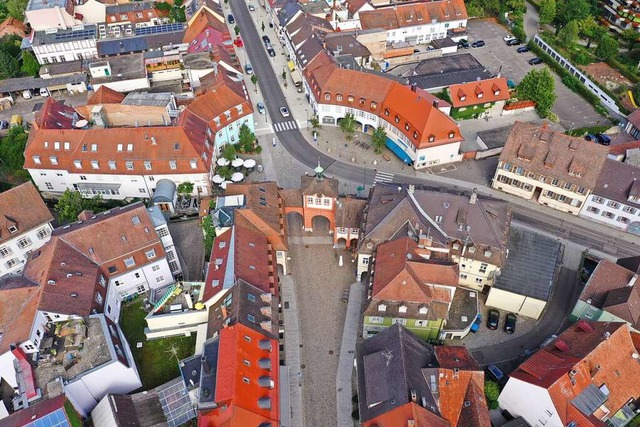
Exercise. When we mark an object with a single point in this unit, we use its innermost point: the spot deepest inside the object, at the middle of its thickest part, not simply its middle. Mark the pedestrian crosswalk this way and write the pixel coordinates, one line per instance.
(284, 126)
(383, 177)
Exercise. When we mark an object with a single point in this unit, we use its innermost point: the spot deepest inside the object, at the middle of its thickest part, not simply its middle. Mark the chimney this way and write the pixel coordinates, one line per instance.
(411, 189)
(436, 103)
(424, 241)
(413, 87)
(474, 197)
(85, 215)
(633, 280)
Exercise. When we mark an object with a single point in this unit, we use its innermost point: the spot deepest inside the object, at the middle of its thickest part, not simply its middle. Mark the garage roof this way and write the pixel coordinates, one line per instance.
(524, 273)
(23, 83)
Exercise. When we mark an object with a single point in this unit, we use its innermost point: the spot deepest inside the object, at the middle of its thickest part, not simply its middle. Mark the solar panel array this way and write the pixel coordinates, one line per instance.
(80, 34)
(176, 404)
(160, 29)
(55, 419)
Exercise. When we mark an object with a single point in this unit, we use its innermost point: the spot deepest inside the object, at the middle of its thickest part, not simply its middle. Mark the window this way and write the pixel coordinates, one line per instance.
(147, 165)
(247, 338)
(119, 147)
(318, 201)
(478, 280)
(397, 119)
(338, 97)
(141, 289)
(150, 254)
(607, 214)
(36, 160)
(580, 190)
(555, 182)
(423, 310)
(129, 147)
(309, 200)
(567, 186)
(598, 200)
(84, 147)
(623, 219)
(112, 165)
(245, 379)
(83, 177)
(142, 190)
(135, 220)
(519, 171)
(155, 267)
(94, 164)
(24, 242)
(53, 160)
(483, 267)
(160, 279)
(129, 262)
(593, 210)
(629, 209)
(99, 298)
(382, 307)
(137, 275)
(251, 318)
(451, 135)
(129, 165)
(94, 147)
(251, 297)
(327, 96)
(5, 251)
(326, 202)
(402, 309)
(103, 280)
(194, 164)
(376, 319)
(172, 164)
(56, 145)
(614, 205)
(42, 233)
(112, 269)
(11, 263)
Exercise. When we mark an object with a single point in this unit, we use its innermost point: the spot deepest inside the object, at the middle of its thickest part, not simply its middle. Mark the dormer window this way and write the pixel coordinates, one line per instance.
(496, 92)
(451, 135)
(362, 101)
(94, 164)
(463, 97)
(53, 160)
(415, 135)
(339, 97)
(350, 98)
(432, 138)
(13, 229)
(77, 164)
(374, 105)
(402, 309)
(327, 96)
(397, 119)
(36, 160)
(423, 310)
(407, 127)
(386, 111)
(480, 95)
(382, 307)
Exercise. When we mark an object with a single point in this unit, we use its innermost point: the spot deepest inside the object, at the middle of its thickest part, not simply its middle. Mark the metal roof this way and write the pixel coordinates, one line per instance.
(444, 79)
(165, 191)
(524, 273)
(24, 83)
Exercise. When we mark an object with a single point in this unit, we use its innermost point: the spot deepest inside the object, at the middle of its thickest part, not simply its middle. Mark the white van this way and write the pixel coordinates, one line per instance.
(44, 92)
(27, 94)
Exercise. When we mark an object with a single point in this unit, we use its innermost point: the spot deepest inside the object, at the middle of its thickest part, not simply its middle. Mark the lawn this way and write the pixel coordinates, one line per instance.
(155, 360)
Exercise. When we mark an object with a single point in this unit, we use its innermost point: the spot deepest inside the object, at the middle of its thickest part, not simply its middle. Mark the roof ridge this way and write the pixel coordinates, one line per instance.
(489, 222)
(428, 218)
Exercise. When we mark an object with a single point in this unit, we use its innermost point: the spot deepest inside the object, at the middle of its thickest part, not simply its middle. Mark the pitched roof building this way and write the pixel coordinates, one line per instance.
(479, 92)
(612, 293)
(402, 380)
(586, 377)
(559, 170)
(25, 225)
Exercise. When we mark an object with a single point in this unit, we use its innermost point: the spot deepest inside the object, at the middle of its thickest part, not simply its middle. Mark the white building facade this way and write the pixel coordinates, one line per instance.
(14, 252)
(54, 46)
(623, 216)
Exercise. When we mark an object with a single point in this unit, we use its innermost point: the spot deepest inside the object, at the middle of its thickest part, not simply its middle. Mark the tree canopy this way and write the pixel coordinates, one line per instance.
(569, 10)
(30, 65)
(607, 47)
(71, 203)
(569, 34)
(185, 188)
(547, 11)
(378, 139)
(539, 86)
(247, 138)
(348, 125)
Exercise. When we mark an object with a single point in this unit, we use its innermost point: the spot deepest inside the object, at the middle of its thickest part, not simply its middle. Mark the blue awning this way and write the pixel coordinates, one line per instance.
(398, 151)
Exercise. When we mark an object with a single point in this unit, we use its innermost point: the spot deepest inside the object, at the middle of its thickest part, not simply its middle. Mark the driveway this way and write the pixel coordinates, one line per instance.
(189, 242)
(321, 289)
(25, 107)
(573, 111)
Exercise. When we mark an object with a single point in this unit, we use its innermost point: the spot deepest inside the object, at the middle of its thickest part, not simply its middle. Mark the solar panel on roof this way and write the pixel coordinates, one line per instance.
(56, 418)
(160, 29)
(84, 34)
(176, 404)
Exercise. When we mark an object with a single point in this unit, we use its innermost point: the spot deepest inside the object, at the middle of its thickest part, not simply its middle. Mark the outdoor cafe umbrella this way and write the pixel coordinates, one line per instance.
(217, 179)
(224, 185)
(223, 162)
(237, 162)
(237, 177)
(249, 163)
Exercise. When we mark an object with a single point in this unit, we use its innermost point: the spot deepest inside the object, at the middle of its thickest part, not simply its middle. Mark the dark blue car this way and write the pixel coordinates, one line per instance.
(476, 324)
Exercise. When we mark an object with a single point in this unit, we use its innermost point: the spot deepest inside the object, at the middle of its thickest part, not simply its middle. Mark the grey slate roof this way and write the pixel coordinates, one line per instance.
(531, 266)
(433, 81)
(389, 367)
(287, 12)
(122, 46)
(22, 83)
(495, 138)
(517, 422)
(616, 181)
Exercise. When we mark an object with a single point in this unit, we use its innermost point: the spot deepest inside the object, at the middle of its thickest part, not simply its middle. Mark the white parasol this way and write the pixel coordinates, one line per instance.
(237, 162)
(237, 177)
(224, 185)
(249, 163)
(223, 162)
(217, 179)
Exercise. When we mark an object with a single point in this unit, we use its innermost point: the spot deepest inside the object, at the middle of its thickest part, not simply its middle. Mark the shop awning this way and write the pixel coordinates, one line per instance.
(291, 65)
(398, 151)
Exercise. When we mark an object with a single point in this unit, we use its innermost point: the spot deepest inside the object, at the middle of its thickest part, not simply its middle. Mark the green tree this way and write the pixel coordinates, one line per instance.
(516, 6)
(284, 75)
(539, 86)
(30, 65)
(315, 123)
(378, 139)
(229, 152)
(569, 34)
(236, 29)
(607, 47)
(568, 10)
(547, 11)
(12, 149)
(69, 206)
(247, 138)
(11, 44)
(630, 37)
(254, 80)
(491, 392)
(16, 8)
(185, 188)
(209, 232)
(263, 26)
(9, 66)
(348, 125)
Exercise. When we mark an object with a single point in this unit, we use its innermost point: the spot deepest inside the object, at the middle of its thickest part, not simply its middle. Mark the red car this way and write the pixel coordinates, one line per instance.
(238, 42)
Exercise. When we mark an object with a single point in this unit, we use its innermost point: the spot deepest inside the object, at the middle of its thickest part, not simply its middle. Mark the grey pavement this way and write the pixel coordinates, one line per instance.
(573, 111)
(292, 349)
(24, 107)
(352, 324)
(189, 243)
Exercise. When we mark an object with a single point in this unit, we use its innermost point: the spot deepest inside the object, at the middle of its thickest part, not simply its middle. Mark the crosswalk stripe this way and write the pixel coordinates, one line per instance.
(283, 126)
(383, 177)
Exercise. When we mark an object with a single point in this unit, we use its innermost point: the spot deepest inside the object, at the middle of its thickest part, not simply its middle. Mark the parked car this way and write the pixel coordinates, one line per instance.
(523, 49)
(463, 44)
(590, 137)
(535, 61)
(495, 372)
(252, 8)
(476, 324)
(44, 92)
(248, 68)
(26, 94)
(493, 319)
(271, 52)
(16, 120)
(508, 38)
(603, 139)
(514, 42)
(479, 43)
(510, 323)
(261, 108)
(548, 341)
(4, 124)
(231, 19)
(284, 111)
(266, 40)
(238, 42)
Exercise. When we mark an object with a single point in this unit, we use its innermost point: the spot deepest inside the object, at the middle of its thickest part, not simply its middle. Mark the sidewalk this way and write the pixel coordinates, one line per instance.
(344, 389)
(292, 349)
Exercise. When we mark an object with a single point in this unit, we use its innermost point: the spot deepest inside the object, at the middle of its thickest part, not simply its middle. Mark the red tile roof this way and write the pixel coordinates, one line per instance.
(28, 375)
(401, 416)
(216, 271)
(411, 15)
(402, 275)
(205, 20)
(19, 298)
(105, 95)
(255, 260)
(13, 26)
(22, 207)
(231, 388)
(591, 354)
(634, 118)
(479, 92)
(33, 412)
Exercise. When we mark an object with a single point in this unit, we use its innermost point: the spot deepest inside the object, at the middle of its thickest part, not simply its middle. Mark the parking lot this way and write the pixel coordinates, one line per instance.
(573, 111)
(25, 107)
